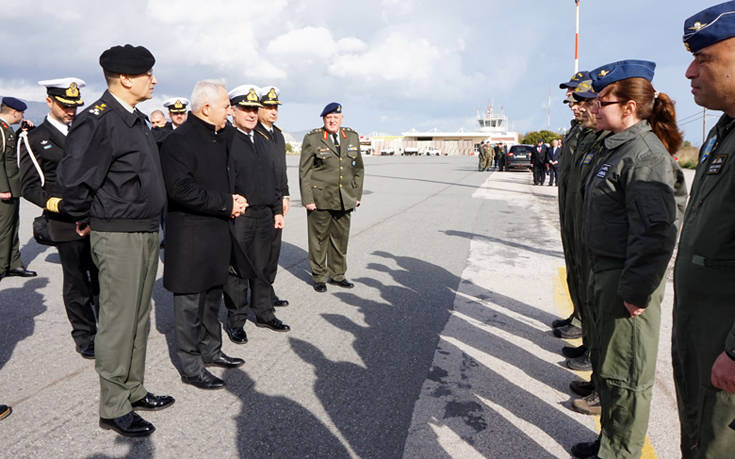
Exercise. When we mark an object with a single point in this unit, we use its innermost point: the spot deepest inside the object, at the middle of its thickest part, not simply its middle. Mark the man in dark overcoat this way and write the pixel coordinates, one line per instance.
(198, 245)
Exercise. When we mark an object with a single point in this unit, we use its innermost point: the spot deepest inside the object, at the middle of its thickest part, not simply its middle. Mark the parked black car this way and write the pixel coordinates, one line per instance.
(519, 156)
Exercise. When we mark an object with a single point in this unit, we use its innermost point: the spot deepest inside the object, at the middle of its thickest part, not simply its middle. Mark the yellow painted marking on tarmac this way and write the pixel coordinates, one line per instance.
(563, 302)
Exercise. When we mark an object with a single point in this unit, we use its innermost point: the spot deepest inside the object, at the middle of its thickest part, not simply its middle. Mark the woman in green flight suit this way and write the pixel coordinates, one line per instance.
(632, 205)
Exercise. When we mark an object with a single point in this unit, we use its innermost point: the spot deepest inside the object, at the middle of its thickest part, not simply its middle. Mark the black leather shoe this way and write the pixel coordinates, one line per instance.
(5, 411)
(237, 335)
(21, 272)
(279, 302)
(153, 402)
(225, 361)
(568, 332)
(320, 287)
(561, 322)
(87, 350)
(129, 425)
(586, 449)
(343, 283)
(273, 324)
(205, 380)
(573, 352)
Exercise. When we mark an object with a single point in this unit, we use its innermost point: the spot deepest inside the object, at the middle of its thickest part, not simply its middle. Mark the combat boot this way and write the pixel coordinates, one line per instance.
(588, 405)
(586, 448)
(582, 388)
(581, 363)
(568, 332)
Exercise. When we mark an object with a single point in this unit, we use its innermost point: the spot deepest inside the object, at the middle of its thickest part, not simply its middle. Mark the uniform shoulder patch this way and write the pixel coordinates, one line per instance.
(346, 129)
(315, 131)
(98, 109)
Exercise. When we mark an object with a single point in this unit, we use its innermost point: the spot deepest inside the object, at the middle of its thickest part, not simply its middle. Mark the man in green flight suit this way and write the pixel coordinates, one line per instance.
(11, 112)
(330, 175)
(703, 342)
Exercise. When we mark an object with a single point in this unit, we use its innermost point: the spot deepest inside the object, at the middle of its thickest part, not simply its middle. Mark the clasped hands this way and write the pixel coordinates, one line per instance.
(239, 204)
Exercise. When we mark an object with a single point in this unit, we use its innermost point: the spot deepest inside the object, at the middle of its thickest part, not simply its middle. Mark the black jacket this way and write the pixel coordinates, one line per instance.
(111, 172)
(254, 171)
(47, 147)
(278, 151)
(198, 245)
(538, 158)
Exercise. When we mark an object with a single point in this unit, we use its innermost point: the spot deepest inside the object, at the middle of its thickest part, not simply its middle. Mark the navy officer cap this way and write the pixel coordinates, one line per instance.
(709, 26)
(621, 70)
(575, 80)
(332, 107)
(15, 104)
(128, 59)
(584, 91)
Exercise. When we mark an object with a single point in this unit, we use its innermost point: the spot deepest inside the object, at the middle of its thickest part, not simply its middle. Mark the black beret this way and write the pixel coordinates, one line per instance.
(15, 104)
(128, 59)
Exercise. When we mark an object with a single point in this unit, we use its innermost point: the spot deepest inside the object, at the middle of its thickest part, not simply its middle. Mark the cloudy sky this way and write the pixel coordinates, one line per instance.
(394, 64)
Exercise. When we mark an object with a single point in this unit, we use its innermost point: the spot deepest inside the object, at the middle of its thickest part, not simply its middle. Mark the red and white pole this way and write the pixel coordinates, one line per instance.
(576, 41)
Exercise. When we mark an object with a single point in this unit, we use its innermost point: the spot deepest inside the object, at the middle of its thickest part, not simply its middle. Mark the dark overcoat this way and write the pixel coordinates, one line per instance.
(194, 160)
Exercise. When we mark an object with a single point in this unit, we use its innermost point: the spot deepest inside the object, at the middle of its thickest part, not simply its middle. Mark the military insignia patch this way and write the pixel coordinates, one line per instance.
(72, 90)
(97, 109)
(178, 105)
(602, 172)
(708, 147)
(603, 73)
(4, 125)
(272, 94)
(587, 158)
(47, 147)
(716, 165)
(252, 96)
(697, 26)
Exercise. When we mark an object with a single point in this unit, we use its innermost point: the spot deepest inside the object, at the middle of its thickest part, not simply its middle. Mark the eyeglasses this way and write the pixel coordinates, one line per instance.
(599, 103)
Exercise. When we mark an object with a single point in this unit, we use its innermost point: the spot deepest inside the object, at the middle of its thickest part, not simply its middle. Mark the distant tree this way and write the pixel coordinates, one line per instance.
(289, 149)
(687, 144)
(531, 138)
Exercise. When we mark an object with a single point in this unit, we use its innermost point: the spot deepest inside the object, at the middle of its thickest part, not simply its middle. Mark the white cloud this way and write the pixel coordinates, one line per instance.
(28, 91)
(309, 41)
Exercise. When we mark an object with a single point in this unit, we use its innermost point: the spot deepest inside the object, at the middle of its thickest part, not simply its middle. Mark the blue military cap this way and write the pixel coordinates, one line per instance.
(128, 59)
(584, 91)
(574, 80)
(709, 26)
(621, 70)
(332, 107)
(15, 104)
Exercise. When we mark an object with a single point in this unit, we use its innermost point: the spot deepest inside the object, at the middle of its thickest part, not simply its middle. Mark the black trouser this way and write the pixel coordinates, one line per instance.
(553, 175)
(198, 333)
(81, 289)
(254, 235)
(272, 269)
(539, 174)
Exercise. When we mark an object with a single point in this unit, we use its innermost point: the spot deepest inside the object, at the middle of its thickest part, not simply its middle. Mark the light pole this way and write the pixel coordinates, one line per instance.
(576, 41)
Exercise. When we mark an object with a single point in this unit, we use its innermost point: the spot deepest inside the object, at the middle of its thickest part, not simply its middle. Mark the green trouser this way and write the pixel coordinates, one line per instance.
(482, 165)
(127, 264)
(626, 349)
(9, 243)
(329, 232)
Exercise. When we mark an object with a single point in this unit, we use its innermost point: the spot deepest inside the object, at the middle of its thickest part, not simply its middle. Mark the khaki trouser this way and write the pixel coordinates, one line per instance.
(127, 265)
(9, 244)
(329, 232)
(626, 351)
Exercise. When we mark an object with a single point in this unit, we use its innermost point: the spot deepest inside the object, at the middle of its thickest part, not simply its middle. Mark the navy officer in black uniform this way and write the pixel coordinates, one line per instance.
(254, 173)
(40, 151)
(267, 117)
(111, 176)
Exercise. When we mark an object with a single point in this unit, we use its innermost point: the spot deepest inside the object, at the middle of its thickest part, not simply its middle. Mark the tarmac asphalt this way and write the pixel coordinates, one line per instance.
(443, 348)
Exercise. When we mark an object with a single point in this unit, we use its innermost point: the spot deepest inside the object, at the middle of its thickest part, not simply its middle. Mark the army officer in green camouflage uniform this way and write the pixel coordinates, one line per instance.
(703, 353)
(331, 175)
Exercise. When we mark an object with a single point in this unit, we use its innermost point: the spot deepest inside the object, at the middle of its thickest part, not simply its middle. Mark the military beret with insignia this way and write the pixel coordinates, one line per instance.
(128, 59)
(269, 95)
(574, 80)
(176, 104)
(65, 90)
(709, 26)
(245, 95)
(621, 70)
(15, 104)
(332, 107)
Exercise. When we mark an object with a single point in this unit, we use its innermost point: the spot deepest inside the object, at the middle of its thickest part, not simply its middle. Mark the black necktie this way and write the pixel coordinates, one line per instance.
(334, 139)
